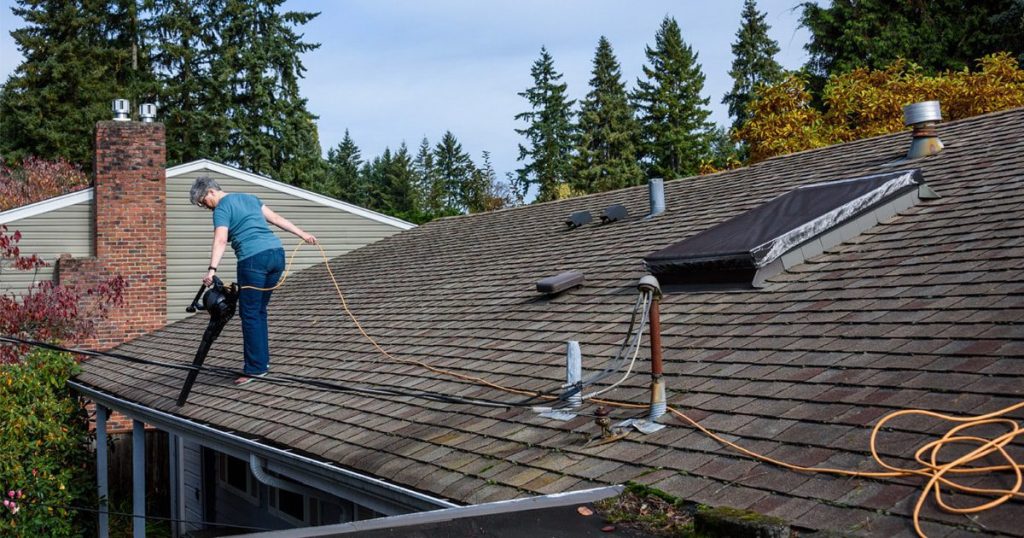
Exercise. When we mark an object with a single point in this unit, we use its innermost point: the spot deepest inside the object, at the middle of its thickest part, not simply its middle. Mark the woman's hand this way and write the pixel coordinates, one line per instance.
(309, 239)
(208, 279)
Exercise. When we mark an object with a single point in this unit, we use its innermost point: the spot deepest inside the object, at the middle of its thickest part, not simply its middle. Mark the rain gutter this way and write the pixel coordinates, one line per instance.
(399, 499)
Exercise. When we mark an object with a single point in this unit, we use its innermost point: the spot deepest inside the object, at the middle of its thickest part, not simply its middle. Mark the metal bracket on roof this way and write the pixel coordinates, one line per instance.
(925, 192)
(658, 407)
(642, 425)
(557, 414)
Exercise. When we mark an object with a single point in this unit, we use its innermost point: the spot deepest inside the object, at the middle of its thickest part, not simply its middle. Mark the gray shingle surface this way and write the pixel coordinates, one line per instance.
(923, 310)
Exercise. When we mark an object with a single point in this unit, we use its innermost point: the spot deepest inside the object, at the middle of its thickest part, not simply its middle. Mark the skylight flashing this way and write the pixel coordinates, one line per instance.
(769, 251)
(750, 248)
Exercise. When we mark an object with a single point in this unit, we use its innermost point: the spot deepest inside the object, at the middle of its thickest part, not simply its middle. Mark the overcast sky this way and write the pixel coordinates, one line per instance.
(393, 71)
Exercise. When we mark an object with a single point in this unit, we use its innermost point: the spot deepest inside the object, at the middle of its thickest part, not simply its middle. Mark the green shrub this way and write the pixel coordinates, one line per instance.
(44, 449)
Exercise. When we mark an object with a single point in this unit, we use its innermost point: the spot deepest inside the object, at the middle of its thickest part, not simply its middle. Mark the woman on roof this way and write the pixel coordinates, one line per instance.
(242, 219)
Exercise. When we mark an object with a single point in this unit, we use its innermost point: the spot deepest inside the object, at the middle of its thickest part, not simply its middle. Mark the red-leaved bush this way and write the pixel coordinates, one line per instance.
(47, 311)
(36, 180)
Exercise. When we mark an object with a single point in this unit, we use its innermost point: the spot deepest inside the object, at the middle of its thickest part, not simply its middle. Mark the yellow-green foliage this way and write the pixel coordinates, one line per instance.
(44, 443)
(864, 103)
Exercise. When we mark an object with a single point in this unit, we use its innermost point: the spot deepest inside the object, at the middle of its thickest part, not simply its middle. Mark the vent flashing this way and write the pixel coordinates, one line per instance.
(578, 219)
(560, 282)
(751, 247)
(613, 213)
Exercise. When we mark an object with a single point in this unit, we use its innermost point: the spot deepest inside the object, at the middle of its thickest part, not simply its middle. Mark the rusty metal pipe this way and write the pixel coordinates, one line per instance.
(655, 321)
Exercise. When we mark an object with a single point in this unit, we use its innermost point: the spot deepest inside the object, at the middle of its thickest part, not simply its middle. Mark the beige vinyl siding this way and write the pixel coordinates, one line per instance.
(190, 231)
(48, 235)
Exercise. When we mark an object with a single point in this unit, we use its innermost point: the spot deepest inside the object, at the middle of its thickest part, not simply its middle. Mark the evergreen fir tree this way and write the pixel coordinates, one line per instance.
(194, 106)
(673, 115)
(400, 182)
(78, 58)
(607, 134)
(342, 179)
(725, 153)
(487, 193)
(753, 62)
(430, 193)
(257, 58)
(475, 193)
(453, 170)
(548, 154)
(374, 183)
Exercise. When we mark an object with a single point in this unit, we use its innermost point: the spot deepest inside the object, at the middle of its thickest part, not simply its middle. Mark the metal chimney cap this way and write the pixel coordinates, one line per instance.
(923, 112)
(147, 111)
(121, 108)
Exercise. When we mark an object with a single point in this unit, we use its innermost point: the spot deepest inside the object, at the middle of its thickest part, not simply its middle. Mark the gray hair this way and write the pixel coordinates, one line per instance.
(202, 186)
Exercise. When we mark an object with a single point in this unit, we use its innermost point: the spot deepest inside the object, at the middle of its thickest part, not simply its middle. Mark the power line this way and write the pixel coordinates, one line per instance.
(285, 379)
(147, 517)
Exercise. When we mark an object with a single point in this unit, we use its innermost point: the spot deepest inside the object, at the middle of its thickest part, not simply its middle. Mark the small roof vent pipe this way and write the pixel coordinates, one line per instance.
(656, 189)
(121, 110)
(923, 117)
(573, 381)
(147, 111)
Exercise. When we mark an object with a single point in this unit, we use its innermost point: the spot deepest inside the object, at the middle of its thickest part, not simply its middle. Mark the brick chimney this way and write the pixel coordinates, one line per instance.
(131, 229)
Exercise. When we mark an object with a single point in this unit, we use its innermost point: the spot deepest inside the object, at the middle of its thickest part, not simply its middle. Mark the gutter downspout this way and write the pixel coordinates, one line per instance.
(198, 430)
(256, 464)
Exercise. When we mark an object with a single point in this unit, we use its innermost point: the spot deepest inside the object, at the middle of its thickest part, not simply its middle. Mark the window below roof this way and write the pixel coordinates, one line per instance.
(751, 247)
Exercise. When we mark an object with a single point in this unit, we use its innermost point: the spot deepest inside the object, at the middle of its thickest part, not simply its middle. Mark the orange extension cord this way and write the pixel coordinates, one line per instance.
(927, 456)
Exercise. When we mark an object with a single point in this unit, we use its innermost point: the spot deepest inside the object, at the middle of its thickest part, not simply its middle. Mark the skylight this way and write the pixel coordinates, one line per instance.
(751, 247)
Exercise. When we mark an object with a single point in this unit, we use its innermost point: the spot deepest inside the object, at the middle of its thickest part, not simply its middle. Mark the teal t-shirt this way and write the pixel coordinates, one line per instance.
(247, 229)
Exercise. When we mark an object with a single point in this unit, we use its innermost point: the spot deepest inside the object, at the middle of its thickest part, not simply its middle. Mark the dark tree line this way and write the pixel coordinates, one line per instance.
(617, 138)
(438, 181)
(225, 73)
(226, 76)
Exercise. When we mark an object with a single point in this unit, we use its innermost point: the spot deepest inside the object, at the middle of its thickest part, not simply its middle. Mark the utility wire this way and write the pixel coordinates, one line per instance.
(148, 517)
(280, 379)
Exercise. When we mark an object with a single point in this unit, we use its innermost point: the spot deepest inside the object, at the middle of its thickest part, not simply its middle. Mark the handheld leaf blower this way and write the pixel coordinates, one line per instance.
(220, 301)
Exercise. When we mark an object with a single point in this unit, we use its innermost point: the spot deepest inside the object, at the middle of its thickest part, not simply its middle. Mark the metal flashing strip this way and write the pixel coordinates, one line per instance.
(45, 206)
(393, 494)
(836, 235)
(771, 250)
(499, 507)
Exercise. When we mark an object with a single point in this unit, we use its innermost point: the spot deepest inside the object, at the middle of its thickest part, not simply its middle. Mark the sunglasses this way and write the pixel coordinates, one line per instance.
(202, 201)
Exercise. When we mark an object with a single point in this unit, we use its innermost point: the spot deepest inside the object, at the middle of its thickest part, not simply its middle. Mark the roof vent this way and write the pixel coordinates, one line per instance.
(656, 189)
(578, 219)
(560, 282)
(121, 110)
(147, 111)
(923, 117)
(753, 246)
(613, 213)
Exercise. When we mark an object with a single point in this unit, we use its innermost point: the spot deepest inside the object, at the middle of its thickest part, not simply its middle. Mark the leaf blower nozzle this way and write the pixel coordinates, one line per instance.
(220, 301)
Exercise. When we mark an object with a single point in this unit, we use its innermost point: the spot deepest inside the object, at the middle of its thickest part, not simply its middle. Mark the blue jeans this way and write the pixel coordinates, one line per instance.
(261, 270)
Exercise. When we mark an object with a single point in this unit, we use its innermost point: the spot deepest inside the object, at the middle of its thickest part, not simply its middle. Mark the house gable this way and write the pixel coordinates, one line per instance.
(340, 227)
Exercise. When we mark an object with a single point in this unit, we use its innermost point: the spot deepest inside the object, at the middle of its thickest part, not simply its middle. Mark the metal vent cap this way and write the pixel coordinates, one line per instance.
(923, 112)
(121, 109)
(147, 111)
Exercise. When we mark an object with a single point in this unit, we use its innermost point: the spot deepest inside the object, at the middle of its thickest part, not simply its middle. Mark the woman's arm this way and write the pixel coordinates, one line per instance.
(220, 243)
(286, 225)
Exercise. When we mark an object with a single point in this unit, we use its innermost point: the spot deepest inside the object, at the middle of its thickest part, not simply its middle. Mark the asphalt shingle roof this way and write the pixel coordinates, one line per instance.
(925, 310)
